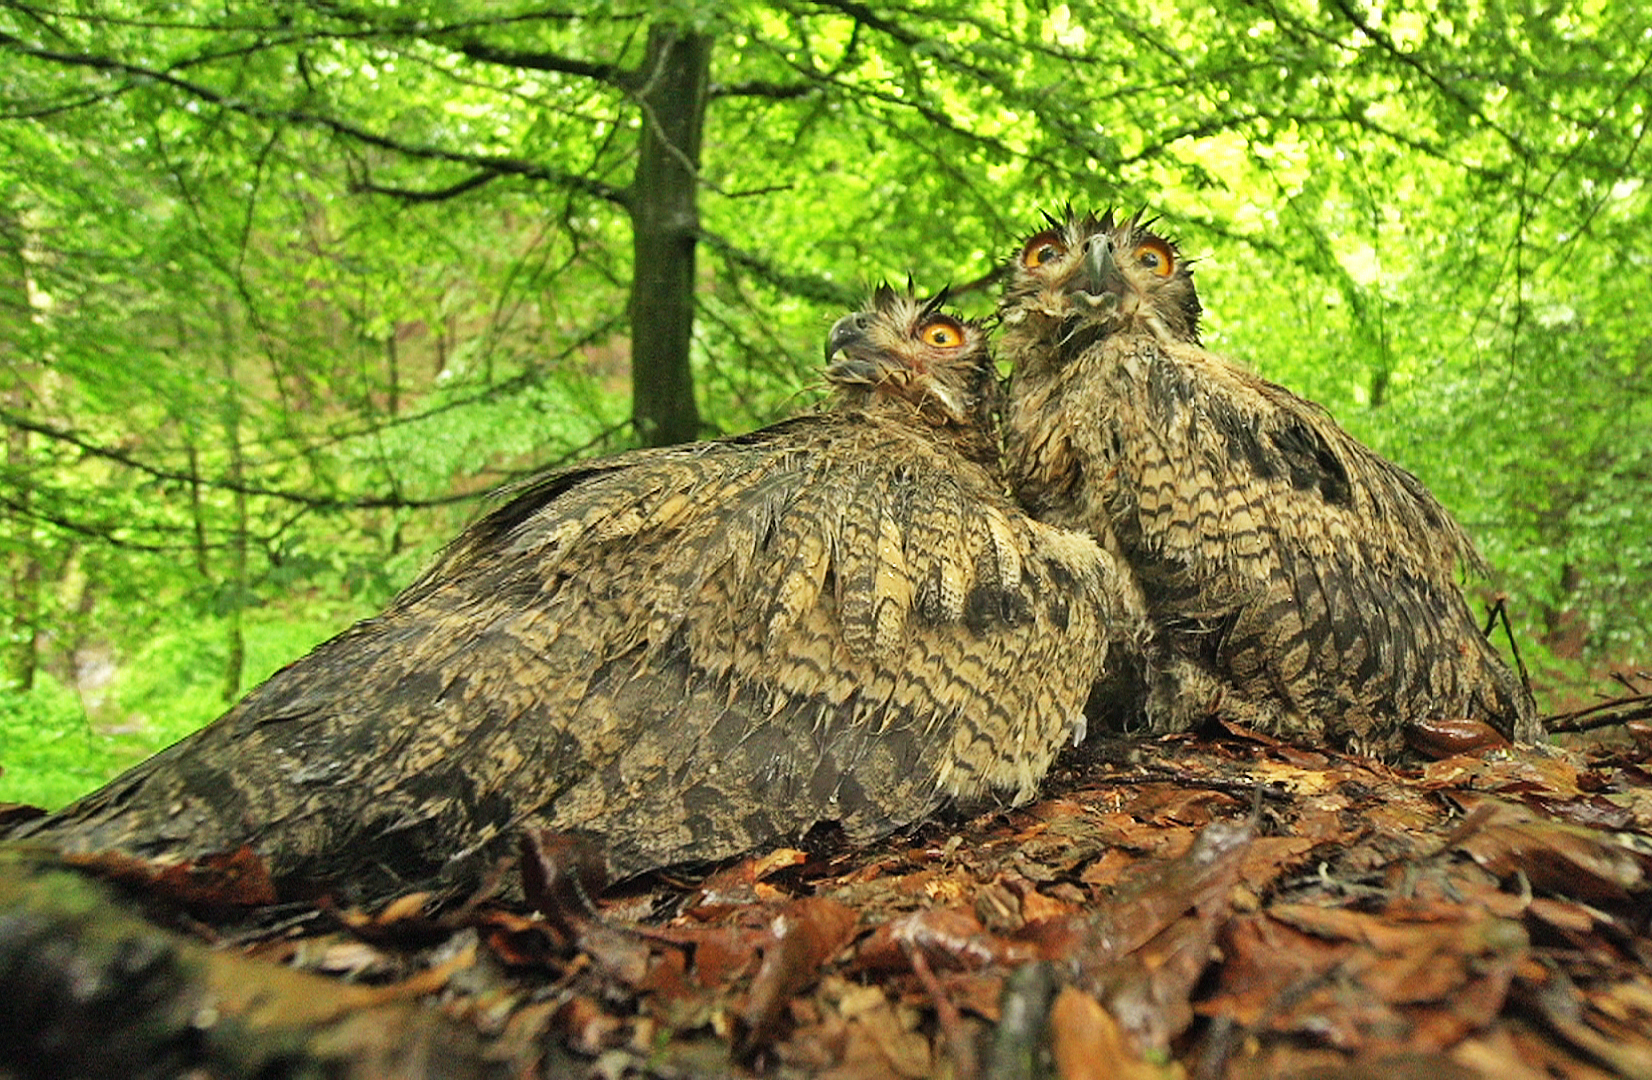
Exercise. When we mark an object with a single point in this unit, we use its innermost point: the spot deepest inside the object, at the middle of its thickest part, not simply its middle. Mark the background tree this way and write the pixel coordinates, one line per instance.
(287, 286)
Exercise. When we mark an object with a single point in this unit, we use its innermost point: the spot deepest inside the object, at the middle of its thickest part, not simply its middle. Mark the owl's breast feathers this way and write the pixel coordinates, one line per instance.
(1295, 579)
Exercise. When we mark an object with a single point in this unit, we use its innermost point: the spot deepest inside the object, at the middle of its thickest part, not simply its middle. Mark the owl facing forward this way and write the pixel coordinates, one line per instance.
(1296, 581)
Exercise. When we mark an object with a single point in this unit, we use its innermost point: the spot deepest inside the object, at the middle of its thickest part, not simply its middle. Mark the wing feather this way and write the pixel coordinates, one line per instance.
(688, 651)
(1335, 567)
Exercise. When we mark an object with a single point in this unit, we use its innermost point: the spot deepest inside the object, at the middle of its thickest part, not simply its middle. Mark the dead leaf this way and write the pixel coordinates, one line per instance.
(735, 886)
(805, 935)
(1566, 860)
(232, 879)
(586, 1026)
(561, 875)
(1088, 1044)
(950, 939)
(876, 1034)
(1163, 891)
(1444, 737)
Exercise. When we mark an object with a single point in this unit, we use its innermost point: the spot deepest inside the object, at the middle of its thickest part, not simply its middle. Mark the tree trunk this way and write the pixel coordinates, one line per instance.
(22, 630)
(236, 579)
(665, 221)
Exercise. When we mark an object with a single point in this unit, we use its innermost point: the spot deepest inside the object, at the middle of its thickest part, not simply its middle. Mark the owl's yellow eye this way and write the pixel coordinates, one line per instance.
(1042, 248)
(942, 333)
(1155, 255)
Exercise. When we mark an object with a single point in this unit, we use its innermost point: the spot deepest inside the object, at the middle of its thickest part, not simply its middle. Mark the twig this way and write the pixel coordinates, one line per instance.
(1500, 610)
(1623, 679)
(958, 1042)
(1612, 713)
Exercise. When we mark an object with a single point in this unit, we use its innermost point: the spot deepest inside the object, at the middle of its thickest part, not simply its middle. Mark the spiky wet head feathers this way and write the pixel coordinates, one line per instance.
(903, 347)
(1085, 277)
(907, 354)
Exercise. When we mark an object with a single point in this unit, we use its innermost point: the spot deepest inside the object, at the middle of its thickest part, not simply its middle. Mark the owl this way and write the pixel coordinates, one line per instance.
(1295, 581)
(683, 653)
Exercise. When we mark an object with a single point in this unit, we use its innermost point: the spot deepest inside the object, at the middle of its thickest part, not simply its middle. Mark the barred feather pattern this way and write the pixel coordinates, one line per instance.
(687, 652)
(1296, 581)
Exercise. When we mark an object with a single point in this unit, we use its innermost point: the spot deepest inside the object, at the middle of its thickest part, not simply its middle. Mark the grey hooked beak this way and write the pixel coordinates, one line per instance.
(847, 333)
(1102, 284)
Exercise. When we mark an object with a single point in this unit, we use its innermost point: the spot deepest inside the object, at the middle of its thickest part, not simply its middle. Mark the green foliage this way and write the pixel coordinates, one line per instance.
(48, 752)
(51, 751)
(172, 684)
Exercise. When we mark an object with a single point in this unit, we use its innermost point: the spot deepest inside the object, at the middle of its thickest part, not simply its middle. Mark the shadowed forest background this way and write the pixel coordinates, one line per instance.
(286, 289)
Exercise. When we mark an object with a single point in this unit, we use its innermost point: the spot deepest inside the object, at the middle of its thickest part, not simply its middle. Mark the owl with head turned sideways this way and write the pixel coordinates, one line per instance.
(1296, 582)
(686, 653)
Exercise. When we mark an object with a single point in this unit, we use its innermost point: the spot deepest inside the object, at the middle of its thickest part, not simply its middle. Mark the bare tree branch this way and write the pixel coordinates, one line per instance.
(131, 461)
(612, 74)
(437, 195)
(1412, 61)
(814, 288)
(497, 164)
(762, 88)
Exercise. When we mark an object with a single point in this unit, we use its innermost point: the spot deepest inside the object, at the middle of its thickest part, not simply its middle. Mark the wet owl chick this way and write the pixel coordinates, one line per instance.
(688, 652)
(1295, 580)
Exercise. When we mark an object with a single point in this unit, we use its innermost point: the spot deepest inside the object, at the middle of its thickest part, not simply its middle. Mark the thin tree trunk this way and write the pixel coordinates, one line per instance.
(197, 506)
(394, 375)
(23, 631)
(665, 221)
(235, 582)
(22, 624)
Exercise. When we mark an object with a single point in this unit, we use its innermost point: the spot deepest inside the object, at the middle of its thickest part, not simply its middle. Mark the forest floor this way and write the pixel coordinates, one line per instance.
(1223, 906)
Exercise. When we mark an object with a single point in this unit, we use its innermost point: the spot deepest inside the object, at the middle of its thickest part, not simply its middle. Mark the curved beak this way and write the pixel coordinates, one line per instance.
(846, 334)
(1100, 284)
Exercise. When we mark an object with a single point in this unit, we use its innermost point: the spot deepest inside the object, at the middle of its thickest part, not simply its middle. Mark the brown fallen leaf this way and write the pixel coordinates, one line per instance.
(1267, 963)
(736, 886)
(216, 882)
(949, 938)
(519, 941)
(1089, 1045)
(880, 1039)
(1268, 857)
(1163, 891)
(1143, 951)
(1555, 857)
(586, 1026)
(1510, 773)
(1623, 1047)
(617, 953)
(561, 874)
(1367, 981)
(805, 934)
(1443, 737)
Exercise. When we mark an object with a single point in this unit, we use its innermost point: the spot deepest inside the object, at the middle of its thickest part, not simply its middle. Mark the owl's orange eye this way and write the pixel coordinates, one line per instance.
(1156, 256)
(1042, 248)
(942, 333)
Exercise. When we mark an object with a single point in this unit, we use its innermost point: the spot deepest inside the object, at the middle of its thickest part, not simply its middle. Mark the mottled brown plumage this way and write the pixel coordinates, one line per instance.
(1296, 581)
(687, 652)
